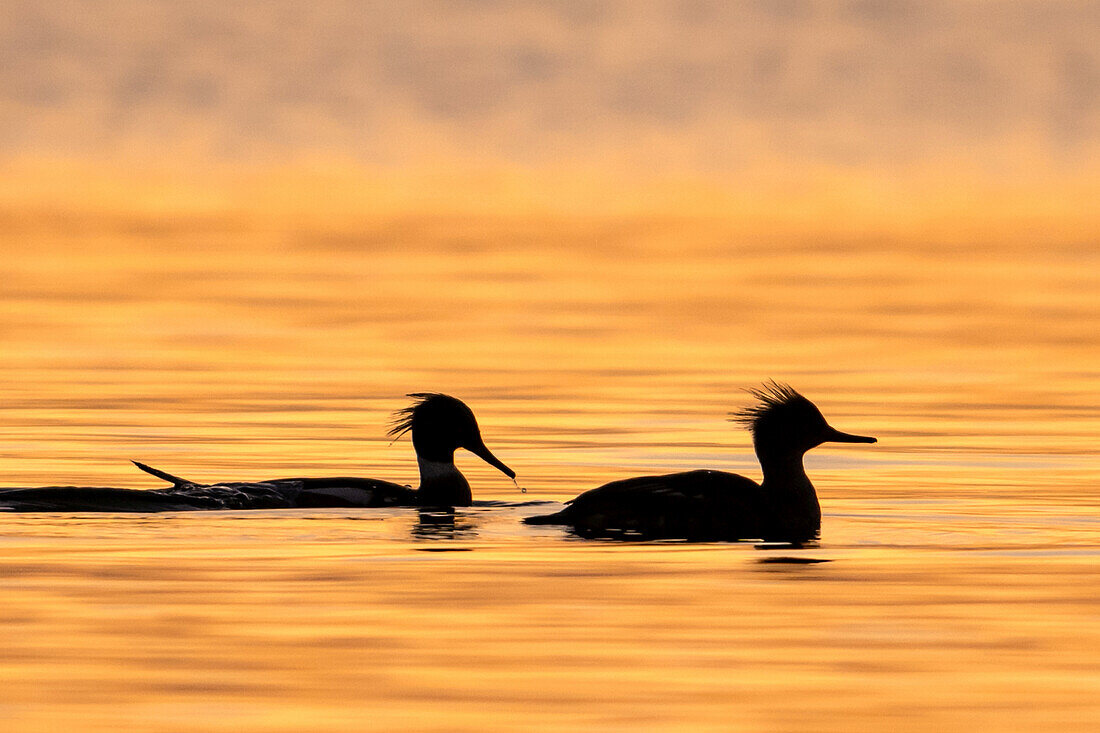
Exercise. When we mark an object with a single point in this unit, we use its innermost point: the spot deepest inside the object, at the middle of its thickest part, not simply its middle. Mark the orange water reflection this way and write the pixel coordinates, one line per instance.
(590, 349)
(330, 621)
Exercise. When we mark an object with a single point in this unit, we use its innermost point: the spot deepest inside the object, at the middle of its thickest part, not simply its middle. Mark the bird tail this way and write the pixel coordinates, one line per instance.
(176, 480)
(555, 518)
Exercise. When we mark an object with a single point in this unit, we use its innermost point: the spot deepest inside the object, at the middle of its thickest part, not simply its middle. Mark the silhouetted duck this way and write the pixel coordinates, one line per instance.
(439, 424)
(714, 505)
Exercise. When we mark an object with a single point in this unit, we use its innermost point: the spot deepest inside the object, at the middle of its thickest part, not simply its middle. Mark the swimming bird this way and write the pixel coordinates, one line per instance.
(439, 425)
(715, 505)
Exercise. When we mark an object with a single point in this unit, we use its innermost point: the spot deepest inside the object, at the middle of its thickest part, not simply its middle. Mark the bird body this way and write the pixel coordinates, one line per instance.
(714, 505)
(439, 425)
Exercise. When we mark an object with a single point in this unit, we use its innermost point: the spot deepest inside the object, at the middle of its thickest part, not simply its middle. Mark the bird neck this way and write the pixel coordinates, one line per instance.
(442, 484)
(792, 495)
(782, 467)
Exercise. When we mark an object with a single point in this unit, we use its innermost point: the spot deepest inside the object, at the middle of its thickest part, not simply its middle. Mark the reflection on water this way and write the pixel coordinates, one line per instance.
(443, 524)
(956, 578)
(336, 620)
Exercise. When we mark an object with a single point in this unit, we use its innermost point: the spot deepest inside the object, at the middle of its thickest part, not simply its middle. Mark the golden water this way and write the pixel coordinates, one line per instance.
(961, 583)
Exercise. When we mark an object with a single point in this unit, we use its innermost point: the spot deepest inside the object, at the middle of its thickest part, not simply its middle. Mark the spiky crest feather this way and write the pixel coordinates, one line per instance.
(771, 396)
(402, 420)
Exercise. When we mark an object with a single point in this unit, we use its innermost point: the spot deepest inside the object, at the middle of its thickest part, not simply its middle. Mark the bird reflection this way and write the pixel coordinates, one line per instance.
(442, 523)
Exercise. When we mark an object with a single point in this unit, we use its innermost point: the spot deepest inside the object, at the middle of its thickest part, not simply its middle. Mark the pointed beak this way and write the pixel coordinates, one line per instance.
(479, 450)
(835, 436)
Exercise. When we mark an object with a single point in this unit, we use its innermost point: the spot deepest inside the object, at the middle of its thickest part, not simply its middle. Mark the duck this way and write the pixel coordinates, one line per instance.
(709, 505)
(439, 425)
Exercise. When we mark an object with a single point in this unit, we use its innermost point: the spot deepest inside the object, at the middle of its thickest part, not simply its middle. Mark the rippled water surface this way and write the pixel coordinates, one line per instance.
(955, 585)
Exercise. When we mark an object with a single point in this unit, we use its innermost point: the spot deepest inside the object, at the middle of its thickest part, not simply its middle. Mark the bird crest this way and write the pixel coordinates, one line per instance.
(402, 421)
(771, 398)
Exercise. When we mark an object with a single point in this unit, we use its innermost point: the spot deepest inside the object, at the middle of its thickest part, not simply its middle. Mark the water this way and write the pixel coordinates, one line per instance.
(958, 578)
